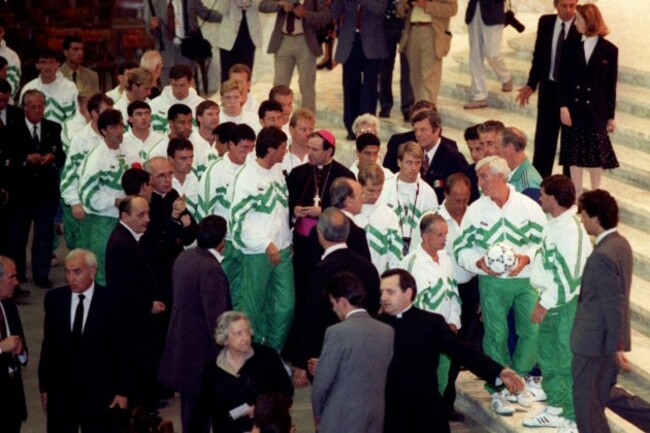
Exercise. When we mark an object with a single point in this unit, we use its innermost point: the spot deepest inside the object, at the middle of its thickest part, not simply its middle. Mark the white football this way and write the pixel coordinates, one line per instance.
(500, 258)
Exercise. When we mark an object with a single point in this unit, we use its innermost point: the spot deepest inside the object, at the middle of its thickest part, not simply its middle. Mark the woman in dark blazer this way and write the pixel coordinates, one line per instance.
(243, 370)
(587, 98)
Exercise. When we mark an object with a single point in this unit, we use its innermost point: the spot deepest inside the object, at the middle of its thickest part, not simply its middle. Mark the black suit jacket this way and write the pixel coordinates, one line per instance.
(413, 403)
(541, 66)
(128, 274)
(492, 11)
(446, 161)
(12, 393)
(302, 188)
(14, 115)
(201, 294)
(589, 89)
(32, 184)
(390, 160)
(319, 310)
(84, 374)
(602, 322)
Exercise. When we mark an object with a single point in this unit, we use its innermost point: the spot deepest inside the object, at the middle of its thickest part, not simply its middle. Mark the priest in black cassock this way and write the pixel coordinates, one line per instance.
(309, 194)
(413, 403)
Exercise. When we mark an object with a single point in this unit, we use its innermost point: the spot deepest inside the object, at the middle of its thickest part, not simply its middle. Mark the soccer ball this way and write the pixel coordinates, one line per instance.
(500, 258)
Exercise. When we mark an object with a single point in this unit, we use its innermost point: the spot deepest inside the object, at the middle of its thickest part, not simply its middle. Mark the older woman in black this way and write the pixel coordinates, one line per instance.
(587, 97)
(242, 371)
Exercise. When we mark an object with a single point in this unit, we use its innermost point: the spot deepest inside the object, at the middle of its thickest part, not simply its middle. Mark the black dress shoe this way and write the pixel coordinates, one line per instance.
(350, 137)
(456, 416)
(43, 283)
(325, 65)
(384, 113)
(407, 117)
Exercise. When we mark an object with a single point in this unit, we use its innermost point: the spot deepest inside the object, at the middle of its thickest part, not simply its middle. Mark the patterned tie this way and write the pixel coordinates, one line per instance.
(35, 136)
(558, 53)
(425, 165)
(77, 325)
(171, 20)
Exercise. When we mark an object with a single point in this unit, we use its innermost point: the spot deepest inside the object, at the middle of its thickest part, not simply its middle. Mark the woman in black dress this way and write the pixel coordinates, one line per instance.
(242, 371)
(587, 97)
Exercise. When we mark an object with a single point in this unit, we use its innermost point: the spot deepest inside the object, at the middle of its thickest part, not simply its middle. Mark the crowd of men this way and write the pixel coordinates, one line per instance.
(176, 208)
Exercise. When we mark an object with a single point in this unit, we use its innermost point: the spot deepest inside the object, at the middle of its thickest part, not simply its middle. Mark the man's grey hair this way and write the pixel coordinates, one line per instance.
(147, 165)
(29, 93)
(514, 136)
(496, 164)
(223, 323)
(340, 190)
(88, 256)
(334, 225)
(428, 220)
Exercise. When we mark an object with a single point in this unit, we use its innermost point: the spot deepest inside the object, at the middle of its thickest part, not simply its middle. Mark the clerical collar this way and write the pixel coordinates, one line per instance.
(401, 313)
(333, 248)
(160, 194)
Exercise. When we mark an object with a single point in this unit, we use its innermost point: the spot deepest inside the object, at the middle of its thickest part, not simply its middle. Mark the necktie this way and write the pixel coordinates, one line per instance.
(74, 77)
(558, 53)
(357, 19)
(425, 165)
(171, 20)
(35, 136)
(291, 25)
(77, 325)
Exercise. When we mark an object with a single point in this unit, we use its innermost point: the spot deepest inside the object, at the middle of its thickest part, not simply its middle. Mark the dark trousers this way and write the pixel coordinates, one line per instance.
(393, 31)
(242, 52)
(471, 332)
(194, 416)
(22, 216)
(547, 128)
(66, 414)
(360, 78)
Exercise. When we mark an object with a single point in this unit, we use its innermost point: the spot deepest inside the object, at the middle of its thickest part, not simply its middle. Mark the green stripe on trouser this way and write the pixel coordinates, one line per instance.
(444, 362)
(73, 229)
(99, 230)
(267, 295)
(497, 296)
(231, 266)
(554, 357)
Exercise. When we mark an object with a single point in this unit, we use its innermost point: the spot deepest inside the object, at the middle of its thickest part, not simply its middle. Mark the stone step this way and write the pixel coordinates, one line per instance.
(631, 99)
(524, 45)
(634, 164)
(474, 401)
(632, 130)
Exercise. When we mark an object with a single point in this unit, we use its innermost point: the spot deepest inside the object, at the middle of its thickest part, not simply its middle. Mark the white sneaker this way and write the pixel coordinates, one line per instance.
(544, 418)
(523, 398)
(568, 427)
(534, 385)
(501, 405)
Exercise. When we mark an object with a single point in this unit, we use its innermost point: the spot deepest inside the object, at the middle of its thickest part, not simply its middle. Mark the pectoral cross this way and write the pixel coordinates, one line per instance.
(317, 200)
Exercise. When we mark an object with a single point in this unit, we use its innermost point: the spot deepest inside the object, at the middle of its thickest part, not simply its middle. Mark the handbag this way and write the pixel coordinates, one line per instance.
(196, 47)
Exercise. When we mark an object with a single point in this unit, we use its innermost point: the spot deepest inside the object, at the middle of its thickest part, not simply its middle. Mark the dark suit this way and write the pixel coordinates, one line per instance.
(201, 294)
(33, 192)
(390, 160)
(318, 308)
(128, 274)
(361, 53)
(547, 127)
(413, 403)
(600, 329)
(492, 11)
(446, 161)
(82, 376)
(348, 391)
(589, 89)
(13, 409)
(470, 172)
(13, 115)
